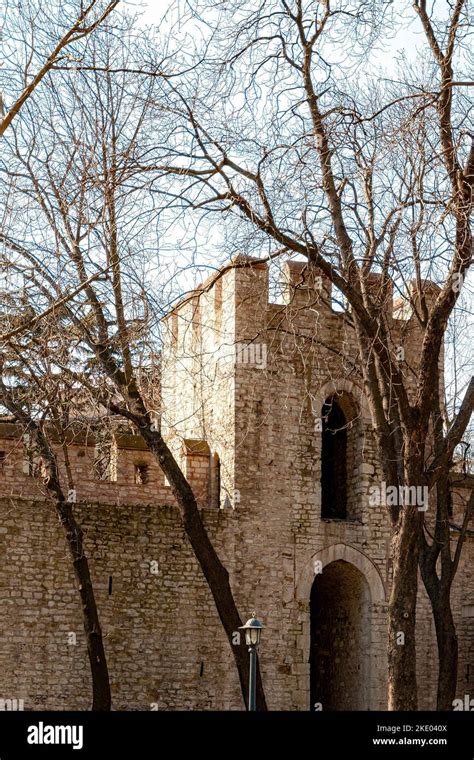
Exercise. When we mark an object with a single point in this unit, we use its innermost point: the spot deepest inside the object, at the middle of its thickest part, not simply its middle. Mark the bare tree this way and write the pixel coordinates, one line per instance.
(27, 35)
(95, 214)
(276, 131)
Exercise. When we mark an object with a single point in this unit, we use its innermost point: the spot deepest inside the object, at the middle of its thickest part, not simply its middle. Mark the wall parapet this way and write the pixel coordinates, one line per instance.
(133, 477)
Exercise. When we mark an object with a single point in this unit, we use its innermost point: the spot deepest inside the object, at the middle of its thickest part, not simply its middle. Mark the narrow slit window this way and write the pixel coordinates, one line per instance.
(102, 460)
(218, 303)
(334, 462)
(30, 461)
(174, 329)
(216, 481)
(141, 474)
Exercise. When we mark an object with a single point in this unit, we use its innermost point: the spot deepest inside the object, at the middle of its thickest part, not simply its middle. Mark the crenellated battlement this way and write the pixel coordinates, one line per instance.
(131, 474)
(235, 302)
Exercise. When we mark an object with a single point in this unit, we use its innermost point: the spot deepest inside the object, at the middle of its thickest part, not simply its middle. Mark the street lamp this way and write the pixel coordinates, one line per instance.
(253, 631)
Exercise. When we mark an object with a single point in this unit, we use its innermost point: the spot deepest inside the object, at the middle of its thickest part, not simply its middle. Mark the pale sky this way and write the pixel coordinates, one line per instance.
(409, 36)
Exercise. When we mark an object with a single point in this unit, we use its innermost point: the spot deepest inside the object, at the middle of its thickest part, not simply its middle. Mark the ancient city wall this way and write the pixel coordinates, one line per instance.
(243, 385)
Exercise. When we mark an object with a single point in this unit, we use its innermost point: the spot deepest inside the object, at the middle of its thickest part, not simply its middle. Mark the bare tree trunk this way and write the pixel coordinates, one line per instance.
(402, 689)
(438, 566)
(446, 639)
(101, 697)
(439, 594)
(447, 655)
(439, 591)
(214, 571)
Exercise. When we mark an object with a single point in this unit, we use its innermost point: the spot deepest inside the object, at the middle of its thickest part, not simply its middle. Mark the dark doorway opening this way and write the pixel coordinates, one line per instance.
(340, 639)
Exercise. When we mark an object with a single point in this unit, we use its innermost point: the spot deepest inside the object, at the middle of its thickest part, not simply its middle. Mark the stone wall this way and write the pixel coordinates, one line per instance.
(243, 385)
(164, 642)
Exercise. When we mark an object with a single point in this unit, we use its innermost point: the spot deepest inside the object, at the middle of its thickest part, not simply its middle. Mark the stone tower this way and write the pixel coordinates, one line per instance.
(276, 393)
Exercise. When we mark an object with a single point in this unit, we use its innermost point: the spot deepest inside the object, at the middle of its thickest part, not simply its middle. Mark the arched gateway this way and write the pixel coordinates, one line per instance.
(342, 584)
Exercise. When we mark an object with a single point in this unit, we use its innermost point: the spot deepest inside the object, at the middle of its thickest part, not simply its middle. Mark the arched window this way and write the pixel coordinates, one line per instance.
(333, 461)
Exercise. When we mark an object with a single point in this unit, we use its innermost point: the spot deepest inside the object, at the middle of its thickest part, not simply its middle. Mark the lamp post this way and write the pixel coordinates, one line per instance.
(253, 631)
